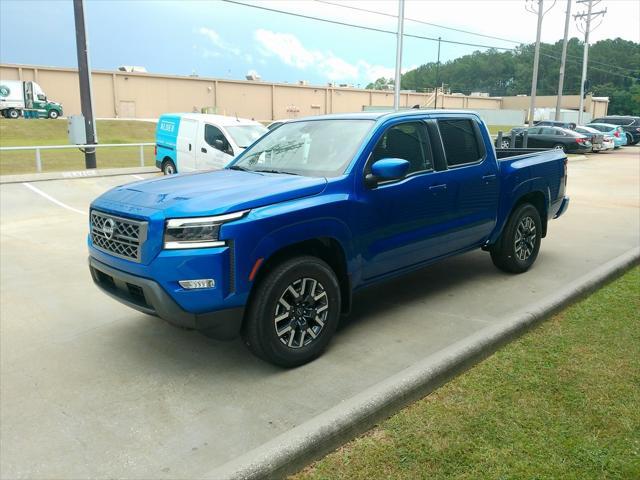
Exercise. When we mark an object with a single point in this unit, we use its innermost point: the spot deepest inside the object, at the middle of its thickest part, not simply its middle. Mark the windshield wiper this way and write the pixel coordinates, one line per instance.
(238, 167)
(277, 171)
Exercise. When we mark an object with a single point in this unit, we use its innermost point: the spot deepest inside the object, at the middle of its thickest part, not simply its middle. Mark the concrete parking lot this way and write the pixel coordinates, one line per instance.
(93, 389)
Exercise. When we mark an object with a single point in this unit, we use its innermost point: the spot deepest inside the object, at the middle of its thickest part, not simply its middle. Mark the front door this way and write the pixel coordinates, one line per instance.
(402, 221)
(214, 150)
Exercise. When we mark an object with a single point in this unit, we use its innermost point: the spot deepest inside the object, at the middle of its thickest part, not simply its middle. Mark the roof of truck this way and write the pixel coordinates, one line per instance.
(380, 115)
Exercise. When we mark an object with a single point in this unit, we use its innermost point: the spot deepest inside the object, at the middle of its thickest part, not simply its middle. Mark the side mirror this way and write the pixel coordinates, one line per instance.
(219, 144)
(387, 169)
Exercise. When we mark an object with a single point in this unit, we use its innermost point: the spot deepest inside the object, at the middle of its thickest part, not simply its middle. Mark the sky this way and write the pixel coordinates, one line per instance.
(226, 40)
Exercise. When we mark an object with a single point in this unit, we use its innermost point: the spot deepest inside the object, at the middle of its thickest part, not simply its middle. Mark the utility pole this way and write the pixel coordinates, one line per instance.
(84, 77)
(540, 12)
(435, 104)
(563, 60)
(396, 92)
(584, 25)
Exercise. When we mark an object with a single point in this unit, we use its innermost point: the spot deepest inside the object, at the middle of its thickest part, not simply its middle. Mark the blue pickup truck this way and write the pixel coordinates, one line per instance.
(273, 246)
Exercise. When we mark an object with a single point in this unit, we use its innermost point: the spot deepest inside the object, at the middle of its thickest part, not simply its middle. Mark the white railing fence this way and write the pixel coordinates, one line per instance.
(39, 148)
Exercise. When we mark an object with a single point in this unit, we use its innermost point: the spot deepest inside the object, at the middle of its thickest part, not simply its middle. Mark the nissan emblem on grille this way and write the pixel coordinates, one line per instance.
(122, 237)
(108, 227)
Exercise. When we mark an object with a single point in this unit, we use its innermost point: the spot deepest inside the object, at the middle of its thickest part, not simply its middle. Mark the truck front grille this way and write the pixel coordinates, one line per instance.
(122, 237)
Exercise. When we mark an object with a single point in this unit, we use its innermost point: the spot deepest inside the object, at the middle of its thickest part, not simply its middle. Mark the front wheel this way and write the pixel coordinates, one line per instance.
(168, 167)
(13, 114)
(293, 313)
(53, 114)
(519, 244)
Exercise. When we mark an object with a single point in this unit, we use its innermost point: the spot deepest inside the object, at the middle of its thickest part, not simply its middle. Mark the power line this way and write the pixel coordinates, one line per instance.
(455, 30)
(419, 21)
(380, 30)
(362, 27)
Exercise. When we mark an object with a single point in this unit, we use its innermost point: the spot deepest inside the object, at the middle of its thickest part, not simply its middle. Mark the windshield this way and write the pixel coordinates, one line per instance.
(316, 148)
(245, 135)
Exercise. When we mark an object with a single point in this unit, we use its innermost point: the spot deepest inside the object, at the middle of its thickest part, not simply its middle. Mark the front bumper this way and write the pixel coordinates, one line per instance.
(149, 297)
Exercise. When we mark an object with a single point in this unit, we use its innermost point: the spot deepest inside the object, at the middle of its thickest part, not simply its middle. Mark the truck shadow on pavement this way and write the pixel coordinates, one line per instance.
(151, 339)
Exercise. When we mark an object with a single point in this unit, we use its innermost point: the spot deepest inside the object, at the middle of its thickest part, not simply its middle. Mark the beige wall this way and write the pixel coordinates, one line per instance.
(596, 107)
(121, 94)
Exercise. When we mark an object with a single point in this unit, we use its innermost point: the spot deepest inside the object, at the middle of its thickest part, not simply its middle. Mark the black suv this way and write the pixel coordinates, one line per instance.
(631, 125)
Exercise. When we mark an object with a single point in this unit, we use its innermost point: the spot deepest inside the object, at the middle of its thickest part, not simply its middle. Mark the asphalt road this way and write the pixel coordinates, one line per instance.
(92, 389)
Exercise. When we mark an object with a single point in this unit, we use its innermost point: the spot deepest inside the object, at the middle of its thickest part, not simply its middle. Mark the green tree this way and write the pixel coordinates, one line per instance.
(381, 84)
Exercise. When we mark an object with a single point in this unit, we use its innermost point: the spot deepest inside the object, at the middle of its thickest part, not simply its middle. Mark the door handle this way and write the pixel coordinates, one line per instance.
(438, 188)
(488, 178)
(203, 150)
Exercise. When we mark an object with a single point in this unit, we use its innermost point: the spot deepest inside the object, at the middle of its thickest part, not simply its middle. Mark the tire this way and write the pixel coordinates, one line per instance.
(169, 168)
(53, 114)
(630, 139)
(505, 143)
(290, 337)
(559, 146)
(13, 114)
(513, 253)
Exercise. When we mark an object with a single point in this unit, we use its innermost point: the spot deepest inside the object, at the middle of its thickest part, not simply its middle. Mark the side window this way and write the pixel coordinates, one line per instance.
(533, 131)
(407, 141)
(215, 138)
(547, 131)
(460, 141)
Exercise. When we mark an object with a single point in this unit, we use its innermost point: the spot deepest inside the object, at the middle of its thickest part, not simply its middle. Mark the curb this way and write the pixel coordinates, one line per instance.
(102, 172)
(293, 450)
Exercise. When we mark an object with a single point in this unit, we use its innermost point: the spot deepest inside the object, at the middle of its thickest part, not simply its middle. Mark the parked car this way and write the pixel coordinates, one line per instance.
(595, 136)
(193, 141)
(554, 123)
(615, 131)
(550, 137)
(630, 125)
(273, 246)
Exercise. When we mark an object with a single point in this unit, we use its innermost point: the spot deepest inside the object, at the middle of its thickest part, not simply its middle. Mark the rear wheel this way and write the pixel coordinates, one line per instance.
(559, 146)
(519, 244)
(168, 167)
(294, 312)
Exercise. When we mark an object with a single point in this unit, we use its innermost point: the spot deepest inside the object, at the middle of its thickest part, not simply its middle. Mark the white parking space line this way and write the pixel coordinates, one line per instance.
(139, 177)
(51, 199)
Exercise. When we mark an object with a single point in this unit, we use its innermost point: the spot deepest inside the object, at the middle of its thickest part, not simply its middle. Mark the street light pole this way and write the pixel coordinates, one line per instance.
(84, 78)
(435, 103)
(585, 54)
(396, 92)
(536, 60)
(563, 61)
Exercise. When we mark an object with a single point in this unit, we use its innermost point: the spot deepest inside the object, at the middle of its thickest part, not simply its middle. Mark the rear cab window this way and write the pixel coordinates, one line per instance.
(462, 141)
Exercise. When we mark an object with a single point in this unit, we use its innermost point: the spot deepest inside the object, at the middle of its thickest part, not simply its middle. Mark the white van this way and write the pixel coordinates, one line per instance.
(195, 141)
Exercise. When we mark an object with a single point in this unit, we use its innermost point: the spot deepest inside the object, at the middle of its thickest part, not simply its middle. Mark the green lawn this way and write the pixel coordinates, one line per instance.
(563, 401)
(23, 132)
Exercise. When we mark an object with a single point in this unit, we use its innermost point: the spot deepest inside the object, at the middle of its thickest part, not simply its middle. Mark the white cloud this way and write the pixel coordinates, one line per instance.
(215, 39)
(290, 50)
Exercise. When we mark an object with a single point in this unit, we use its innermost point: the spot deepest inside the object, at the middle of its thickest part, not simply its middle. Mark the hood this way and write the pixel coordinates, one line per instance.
(212, 193)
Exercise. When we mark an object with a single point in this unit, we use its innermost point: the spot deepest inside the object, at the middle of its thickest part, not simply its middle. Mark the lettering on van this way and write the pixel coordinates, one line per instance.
(167, 126)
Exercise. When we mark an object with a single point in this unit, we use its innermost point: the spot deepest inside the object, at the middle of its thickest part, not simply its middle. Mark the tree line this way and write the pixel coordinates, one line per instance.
(613, 71)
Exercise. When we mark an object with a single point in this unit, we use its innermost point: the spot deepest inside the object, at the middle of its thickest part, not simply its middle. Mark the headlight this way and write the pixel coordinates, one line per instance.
(200, 232)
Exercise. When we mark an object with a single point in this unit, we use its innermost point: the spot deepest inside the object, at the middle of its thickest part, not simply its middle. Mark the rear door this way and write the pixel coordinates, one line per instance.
(472, 182)
(214, 149)
(186, 148)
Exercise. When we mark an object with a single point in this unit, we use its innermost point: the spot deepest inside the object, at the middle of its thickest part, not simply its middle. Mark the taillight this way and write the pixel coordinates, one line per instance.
(155, 150)
(617, 134)
(580, 140)
(637, 129)
(566, 160)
